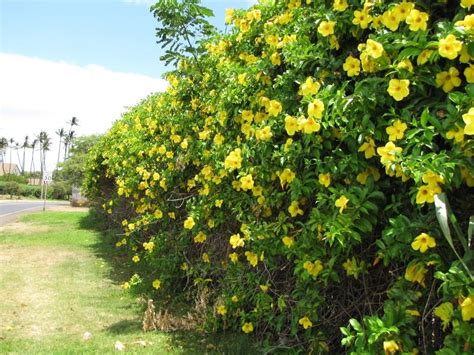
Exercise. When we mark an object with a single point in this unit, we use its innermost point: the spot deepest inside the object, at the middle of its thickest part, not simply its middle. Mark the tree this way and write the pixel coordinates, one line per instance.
(3, 151)
(33, 146)
(181, 23)
(72, 170)
(61, 133)
(24, 146)
(70, 136)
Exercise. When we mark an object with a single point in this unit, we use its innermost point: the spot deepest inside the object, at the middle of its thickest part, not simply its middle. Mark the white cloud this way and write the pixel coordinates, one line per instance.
(41, 95)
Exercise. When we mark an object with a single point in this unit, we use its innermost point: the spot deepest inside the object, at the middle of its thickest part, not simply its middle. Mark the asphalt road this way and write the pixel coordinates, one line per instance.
(9, 209)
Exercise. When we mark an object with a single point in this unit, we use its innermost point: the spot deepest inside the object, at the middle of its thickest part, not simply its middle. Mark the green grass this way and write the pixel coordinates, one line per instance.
(60, 279)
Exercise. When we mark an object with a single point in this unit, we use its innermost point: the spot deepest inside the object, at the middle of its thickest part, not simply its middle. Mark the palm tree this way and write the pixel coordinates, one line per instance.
(17, 148)
(12, 142)
(61, 133)
(42, 139)
(3, 152)
(32, 164)
(24, 146)
(70, 135)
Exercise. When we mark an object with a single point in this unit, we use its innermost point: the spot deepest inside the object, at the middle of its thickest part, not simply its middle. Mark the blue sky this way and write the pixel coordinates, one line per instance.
(91, 59)
(116, 34)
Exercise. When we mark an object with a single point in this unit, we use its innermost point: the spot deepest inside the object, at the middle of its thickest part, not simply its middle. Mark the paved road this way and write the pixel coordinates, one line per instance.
(9, 209)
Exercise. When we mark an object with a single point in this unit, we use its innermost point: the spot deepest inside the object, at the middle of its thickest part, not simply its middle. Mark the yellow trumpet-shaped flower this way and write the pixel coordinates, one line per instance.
(247, 328)
(468, 119)
(449, 47)
(399, 89)
(390, 347)
(467, 308)
(422, 242)
(305, 322)
(342, 202)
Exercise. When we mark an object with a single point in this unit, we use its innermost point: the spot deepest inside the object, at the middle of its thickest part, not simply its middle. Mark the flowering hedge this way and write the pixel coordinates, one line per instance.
(290, 173)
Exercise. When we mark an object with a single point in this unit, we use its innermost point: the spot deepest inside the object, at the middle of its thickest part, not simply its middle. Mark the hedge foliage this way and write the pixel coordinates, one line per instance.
(290, 173)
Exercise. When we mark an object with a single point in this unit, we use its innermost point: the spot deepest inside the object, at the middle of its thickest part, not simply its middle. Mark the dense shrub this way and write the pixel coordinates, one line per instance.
(12, 188)
(290, 174)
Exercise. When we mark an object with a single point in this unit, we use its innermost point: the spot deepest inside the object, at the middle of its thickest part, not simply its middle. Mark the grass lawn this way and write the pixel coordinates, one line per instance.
(58, 281)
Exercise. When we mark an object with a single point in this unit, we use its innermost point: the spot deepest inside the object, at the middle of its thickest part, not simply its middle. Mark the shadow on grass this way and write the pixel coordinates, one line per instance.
(186, 342)
(105, 249)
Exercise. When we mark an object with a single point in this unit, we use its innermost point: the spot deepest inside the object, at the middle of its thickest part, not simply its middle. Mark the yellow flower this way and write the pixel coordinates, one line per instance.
(189, 223)
(457, 134)
(221, 310)
(362, 18)
(184, 266)
(390, 347)
(288, 241)
(467, 308)
(236, 241)
(374, 49)
(252, 258)
(368, 147)
(424, 56)
(388, 153)
(234, 257)
(272, 40)
(469, 73)
(468, 119)
(396, 131)
(325, 179)
(448, 79)
(148, 246)
(291, 125)
(326, 28)
(309, 87)
(340, 5)
(417, 20)
(405, 64)
(308, 125)
(423, 242)
(305, 322)
(200, 238)
(264, 134)
(467, 22)
(205, 258)
(126, 285)
(316, 108)
(247, 328)
(398, 89)
(241, 78)
(404, 9)
(246, 182)
(342, 202)
(274, 108)
(235, 299)
(295, 209)
(416, 273)
(426, 193)
(136, 259)
(352, 66)
(233, 160)
(351, 267)
(275, 59)
(156, 284)
(229, 14)
(467, 4)
(391, 20)
(286, 177)
(431, 178)
(444, 312)
(449, 47)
